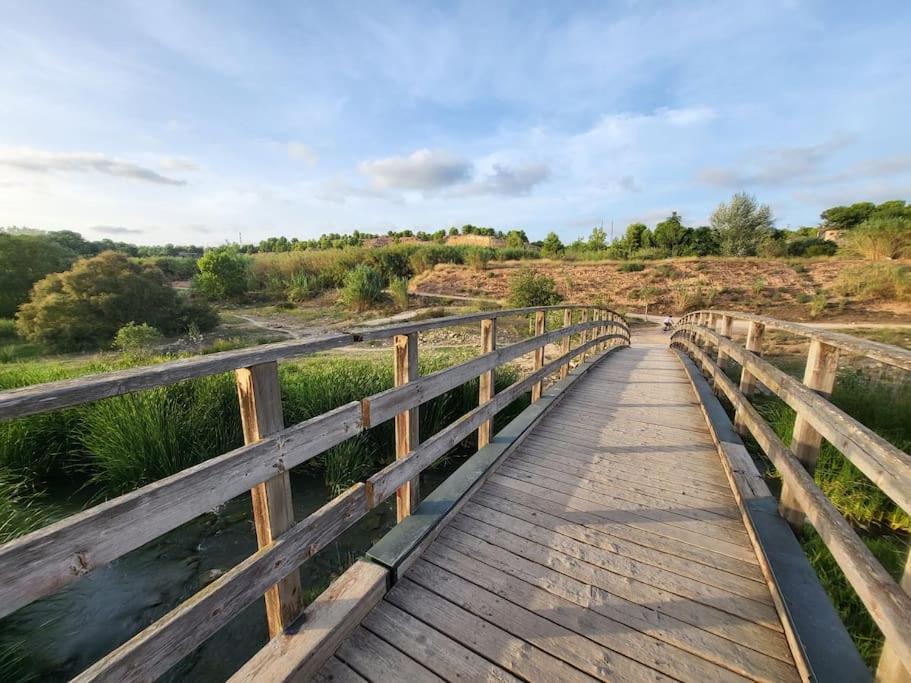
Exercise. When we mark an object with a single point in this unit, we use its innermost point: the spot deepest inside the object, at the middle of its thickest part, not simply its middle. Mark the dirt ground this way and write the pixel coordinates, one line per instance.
(773, 287)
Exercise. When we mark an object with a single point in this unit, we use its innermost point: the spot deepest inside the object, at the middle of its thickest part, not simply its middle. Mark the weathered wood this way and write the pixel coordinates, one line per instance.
(885, 465)
(327, 621)
(46, 560)
(259, 394)
(819, 375)
(747, 381)
(538, 386)
(407, 423)
(155, 649)
(584, 336)
(890, 668)
(486, 380)
(366, 652)
(725, 327)
(42, 398)
(889, 606)
(567, 340)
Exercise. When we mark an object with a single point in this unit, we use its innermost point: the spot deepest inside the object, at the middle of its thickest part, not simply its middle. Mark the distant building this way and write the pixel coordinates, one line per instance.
(831, 234)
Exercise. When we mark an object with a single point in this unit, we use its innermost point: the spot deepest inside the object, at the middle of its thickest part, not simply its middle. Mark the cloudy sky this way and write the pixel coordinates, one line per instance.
(195, 121)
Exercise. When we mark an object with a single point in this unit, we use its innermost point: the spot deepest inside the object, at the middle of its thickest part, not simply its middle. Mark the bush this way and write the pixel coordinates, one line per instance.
(7, 329)
(479, 258)
(818, 305)
(84, 307)
(398, 288)
(363, 288)
(224, 273)
(303, 286)
(135, 339)
(690, 298)
(25, 259)
(874, 281)
(631, 267)
(881, 238)
(528, 288)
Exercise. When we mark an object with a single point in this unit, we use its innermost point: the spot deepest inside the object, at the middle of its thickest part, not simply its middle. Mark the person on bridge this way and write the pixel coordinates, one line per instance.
(668, 323)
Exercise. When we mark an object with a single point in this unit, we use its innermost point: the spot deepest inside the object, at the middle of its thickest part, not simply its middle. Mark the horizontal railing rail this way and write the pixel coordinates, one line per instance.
(706, 337)
(43, 562)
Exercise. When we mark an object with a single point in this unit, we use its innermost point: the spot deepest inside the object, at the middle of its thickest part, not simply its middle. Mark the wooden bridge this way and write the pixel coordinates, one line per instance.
(617, 529)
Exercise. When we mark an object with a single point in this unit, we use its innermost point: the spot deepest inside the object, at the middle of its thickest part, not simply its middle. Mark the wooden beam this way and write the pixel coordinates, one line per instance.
(486, 380)
(567, 340)
(584, 334)
(890, 668)
(819, 375)
(259, 393)
(747, 381)
(407, 423)
(725, 328)
(537, 388)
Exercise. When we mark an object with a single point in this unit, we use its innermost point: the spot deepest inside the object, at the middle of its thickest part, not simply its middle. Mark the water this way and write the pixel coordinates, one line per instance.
(55, 638)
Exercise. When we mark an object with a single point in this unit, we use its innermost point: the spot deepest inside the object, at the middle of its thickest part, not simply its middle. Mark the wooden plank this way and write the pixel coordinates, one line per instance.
(407, 422)
(890, 668)
(42, 398)
(819, 375)
(260, 400)
(300, 652)
(443, 562)
(158, 647)
(480, 635)
(567, 340)
(439, 653)
(46, 560)
(884, 464)
(377, 660)
(523, 622)
(578, 582)
(486, 380)
(336, 671)
(539, 356)
(889, 606)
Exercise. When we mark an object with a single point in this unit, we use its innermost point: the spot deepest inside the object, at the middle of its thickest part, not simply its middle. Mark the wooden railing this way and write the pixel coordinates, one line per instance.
(706, 337)
(51, 558)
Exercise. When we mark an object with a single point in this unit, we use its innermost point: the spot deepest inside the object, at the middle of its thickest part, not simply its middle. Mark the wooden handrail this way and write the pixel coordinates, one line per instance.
(885, 465)
(51, 558)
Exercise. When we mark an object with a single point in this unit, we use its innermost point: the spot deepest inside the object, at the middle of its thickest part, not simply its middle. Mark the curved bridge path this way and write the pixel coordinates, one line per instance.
(607, 545)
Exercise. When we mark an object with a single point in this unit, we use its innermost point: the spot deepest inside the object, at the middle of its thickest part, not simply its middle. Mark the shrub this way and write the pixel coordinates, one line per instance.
(25, 259)
(818, 305)
(85, 306)
(528, 288)
(874, 281)
(363, 288)
(689, 297)
(224, 273)
(631, 267)
(881, 238)
(758, 286)
(7, 329)
(803, 298)
(303, 286)
(136, 340)
(398, 289)
(478, 258)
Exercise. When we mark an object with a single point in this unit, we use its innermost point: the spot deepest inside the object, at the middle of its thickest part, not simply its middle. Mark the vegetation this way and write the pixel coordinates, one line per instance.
(136, 340)
(528, 288)
(881, 238)
(398, 290)
(84, 307)
(363, 288)
(874, 281)
(24, 259)
(224, 273)
(742, 226)
(631, 267)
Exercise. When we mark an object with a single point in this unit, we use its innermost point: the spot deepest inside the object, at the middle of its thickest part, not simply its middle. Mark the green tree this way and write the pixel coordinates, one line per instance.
(516, 239)
(742, 225)
(25, 258)
(702, 241)
(528, 288)
(670, 235)
(224, 273)
(597, 241)
(552, 246)
(881, 238)
(84, 307)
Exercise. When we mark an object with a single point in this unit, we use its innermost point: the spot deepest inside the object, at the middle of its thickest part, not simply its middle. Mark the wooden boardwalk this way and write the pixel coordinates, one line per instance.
(608, 545)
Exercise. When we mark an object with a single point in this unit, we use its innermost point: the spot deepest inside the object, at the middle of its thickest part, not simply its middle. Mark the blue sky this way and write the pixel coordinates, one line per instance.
(195, 121)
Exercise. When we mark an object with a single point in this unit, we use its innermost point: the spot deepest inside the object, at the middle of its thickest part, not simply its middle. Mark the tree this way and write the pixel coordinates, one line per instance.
(670, 235)
(84, 307)
(702, 241)
(881, 238)
(528, 288)
(25, 258)
(597, 241)
(742, 225)
(516, 239)
(224, 273)
(552, 246)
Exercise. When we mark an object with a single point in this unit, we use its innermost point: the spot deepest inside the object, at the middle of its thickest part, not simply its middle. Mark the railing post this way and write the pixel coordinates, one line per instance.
(822, 366)
(486, 383)
(259, 394)
(584, 335)
(747, 381)
(890, 668)
(727, 323)
(567, 340)
(602, 330)
(539, 356)
(407, 435)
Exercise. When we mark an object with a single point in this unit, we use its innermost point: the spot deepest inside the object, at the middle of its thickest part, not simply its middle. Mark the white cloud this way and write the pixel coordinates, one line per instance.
(38, 161)
(508, 181)
(116, 230)
(423, 170)
(178, 164)
(298, 150)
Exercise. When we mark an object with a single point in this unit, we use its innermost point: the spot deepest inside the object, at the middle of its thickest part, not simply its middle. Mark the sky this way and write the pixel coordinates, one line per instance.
(201, 122)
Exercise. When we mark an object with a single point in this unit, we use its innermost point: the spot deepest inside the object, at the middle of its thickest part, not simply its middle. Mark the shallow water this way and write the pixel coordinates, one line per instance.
(61, 635)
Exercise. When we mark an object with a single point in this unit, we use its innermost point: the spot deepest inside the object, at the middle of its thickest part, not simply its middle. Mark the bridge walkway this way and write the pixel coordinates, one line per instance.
(607, 546)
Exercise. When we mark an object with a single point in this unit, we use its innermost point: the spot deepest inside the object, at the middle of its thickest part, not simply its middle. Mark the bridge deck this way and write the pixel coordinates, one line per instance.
(607, 546)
